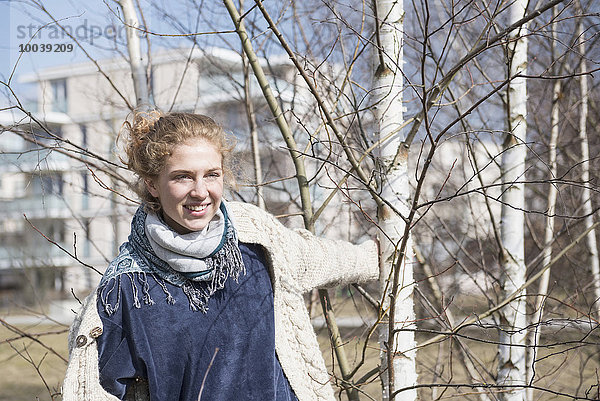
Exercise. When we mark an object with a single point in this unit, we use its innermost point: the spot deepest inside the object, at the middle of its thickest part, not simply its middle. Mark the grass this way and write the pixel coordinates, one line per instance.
(30, 370)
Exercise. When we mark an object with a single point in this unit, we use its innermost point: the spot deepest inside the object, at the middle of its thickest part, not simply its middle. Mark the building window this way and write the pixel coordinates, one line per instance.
(87, 243)
(84, 137)
(46, 184)
(85, 198)
(59, 95)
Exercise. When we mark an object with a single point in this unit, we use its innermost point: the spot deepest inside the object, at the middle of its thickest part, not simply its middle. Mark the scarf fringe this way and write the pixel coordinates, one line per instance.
(140, 279)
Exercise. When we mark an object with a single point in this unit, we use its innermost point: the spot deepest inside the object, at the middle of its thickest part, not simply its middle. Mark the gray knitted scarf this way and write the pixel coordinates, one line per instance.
(199, 269)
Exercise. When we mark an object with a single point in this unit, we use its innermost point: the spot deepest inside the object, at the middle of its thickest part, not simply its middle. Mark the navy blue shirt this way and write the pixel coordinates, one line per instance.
(172, 346)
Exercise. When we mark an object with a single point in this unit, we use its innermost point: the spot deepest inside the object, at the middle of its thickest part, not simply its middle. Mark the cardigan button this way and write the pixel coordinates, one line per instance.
(96, 332)
(81, 341)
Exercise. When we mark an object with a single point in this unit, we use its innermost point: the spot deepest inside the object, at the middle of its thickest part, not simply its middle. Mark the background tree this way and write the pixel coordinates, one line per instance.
(511, 347)
(398, 361)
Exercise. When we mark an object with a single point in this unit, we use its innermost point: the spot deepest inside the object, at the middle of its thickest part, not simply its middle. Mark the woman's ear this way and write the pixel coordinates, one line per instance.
(149, 183)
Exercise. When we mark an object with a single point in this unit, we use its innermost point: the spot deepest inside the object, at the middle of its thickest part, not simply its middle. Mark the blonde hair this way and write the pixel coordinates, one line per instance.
(151, 137)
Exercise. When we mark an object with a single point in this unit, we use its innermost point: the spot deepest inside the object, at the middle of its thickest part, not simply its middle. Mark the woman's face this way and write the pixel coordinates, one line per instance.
(190, 186)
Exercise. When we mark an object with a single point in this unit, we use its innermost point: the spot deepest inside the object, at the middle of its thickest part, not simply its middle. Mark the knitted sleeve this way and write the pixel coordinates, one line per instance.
(324, 262)
(314, 262)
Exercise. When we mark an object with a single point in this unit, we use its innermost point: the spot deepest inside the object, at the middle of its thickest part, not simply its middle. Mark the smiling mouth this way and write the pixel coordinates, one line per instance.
(196, 208)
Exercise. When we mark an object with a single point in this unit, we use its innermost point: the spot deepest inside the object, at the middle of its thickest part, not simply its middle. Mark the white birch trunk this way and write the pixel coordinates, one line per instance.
(511, 351)
(387, 95)
(585, 174)
(535, 333)
(138, 71)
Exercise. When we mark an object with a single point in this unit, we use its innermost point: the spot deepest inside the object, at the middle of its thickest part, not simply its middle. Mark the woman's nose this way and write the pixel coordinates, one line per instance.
(200, 189)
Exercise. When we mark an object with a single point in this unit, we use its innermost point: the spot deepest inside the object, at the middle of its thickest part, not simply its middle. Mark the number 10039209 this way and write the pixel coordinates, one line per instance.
(45, 48)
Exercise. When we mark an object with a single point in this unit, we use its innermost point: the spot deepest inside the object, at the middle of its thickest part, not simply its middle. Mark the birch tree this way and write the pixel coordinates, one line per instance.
(398, 351)
(511, 349)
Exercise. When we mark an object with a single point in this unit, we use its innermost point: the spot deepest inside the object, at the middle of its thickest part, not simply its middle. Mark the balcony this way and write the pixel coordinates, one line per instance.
(44, 206)
(43, 255)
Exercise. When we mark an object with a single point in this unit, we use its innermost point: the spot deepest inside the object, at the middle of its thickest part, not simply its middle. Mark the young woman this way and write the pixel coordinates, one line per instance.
(205, 299)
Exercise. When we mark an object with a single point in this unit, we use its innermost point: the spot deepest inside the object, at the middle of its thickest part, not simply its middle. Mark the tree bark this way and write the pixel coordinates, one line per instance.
(398, 352)
(511, 351)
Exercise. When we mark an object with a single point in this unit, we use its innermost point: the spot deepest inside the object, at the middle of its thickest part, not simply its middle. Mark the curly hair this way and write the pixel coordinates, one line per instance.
(151, 137)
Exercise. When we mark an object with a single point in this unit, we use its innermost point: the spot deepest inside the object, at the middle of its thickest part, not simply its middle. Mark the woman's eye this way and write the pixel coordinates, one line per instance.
(182, 177)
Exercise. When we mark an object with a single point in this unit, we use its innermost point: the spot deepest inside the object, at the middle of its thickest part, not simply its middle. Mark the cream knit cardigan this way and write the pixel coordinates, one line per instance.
(298, 262)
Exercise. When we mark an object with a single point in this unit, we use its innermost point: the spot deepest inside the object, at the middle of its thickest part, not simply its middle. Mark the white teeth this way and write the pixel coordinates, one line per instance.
(197, 208)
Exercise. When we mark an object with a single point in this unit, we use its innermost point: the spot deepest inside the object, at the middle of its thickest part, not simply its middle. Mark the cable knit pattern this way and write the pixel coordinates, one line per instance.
(299, 262)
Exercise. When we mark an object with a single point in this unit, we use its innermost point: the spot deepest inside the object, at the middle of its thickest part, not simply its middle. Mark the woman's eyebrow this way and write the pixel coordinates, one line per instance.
(179, 171)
